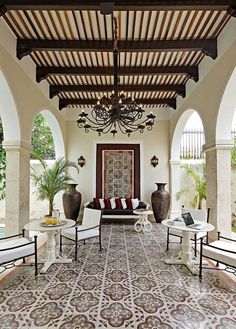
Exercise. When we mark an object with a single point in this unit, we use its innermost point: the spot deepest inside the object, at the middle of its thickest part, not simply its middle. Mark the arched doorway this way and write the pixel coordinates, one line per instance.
(47, 130)
(188, 122)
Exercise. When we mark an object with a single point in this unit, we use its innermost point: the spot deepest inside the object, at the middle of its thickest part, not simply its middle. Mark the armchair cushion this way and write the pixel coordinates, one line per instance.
(83, 233)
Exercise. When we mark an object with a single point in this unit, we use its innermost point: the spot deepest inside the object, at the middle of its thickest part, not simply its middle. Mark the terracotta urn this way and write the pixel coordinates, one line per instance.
(160, 202)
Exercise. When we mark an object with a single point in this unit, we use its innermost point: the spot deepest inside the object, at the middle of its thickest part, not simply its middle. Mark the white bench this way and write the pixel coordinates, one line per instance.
(16, 247)
(222, 251)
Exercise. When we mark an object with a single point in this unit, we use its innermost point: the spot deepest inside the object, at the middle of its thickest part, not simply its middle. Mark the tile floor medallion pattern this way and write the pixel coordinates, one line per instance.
(128, 285)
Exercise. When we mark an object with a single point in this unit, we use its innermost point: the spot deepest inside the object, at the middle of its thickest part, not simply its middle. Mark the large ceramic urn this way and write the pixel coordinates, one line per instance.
(71, 202)
(160, 202)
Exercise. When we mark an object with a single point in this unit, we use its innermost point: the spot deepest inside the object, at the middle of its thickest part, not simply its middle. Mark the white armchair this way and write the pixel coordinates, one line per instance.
(223, 251)
(90, 228)
(15, 247)
(197, 214)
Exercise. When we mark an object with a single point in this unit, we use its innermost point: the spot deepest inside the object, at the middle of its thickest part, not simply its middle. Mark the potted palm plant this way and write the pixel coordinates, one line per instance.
(198, 176)
(52, 179)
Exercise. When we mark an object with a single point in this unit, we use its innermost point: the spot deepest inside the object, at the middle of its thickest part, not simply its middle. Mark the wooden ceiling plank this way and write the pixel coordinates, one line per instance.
(169, 23)
(22, 26)
(177, 22)
(208, 46)
(221, 26)
(62, 26)
(118, 5)
(32, 25)
(12, 26)
(184, 24)
(40, 27)
(65, 102)
(52, 21)
(43, 71)
(42, 15)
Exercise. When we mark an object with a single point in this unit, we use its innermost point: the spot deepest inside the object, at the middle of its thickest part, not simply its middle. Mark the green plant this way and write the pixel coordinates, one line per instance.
(199, 185)
(233, 155)
(51, 180)
(42, 139)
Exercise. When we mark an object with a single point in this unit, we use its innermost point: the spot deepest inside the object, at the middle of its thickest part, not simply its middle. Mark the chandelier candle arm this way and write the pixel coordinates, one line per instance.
(116, 111)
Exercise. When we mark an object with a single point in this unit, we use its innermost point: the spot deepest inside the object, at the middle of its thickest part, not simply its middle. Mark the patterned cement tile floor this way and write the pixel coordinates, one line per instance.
(128, 285)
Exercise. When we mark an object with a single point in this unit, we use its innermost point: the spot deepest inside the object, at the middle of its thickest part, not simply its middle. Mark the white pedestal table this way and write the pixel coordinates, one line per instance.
(185, 255)
(52, 245)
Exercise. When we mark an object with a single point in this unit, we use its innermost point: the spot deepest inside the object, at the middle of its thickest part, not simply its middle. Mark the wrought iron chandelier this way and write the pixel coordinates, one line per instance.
(116, 110)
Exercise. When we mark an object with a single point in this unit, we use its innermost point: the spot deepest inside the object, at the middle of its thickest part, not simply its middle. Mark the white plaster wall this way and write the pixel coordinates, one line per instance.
(155, 142)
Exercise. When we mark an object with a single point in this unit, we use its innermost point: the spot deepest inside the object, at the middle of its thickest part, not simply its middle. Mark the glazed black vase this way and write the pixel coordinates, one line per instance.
(71, 202)
(160, 202)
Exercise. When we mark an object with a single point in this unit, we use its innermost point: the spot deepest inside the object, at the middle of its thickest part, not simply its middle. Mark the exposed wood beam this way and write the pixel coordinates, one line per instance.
(118, 4)
(207, 46)
(171, 102)
(42, 72)
(56, 89)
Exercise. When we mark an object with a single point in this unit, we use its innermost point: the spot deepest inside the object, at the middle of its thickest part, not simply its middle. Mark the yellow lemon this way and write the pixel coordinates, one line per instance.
(54, 221)
(48, 221)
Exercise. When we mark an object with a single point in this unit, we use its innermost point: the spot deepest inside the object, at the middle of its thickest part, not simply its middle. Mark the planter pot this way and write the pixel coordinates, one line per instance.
(160, 202)
(71, 202)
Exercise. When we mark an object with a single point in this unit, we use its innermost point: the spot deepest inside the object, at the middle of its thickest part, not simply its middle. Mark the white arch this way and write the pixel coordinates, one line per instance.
(176, 138)
(56, 133)
(8, 112)
(227, 109)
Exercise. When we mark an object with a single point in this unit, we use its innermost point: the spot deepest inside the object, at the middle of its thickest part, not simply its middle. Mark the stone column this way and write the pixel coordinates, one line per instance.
(17, 185)
(174, 188)
(218, 186)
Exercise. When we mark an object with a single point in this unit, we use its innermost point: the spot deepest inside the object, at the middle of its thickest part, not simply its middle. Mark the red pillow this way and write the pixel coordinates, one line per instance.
(96, 203)
(118, 203)
(129, 203)
(107, 203)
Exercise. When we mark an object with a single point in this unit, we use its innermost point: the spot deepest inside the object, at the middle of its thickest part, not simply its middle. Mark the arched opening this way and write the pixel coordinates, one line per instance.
(187, 167)
(48, 143)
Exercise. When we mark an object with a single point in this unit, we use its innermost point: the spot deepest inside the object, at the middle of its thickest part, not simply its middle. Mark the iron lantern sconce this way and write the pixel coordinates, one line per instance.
(81, 161)
(154, 161)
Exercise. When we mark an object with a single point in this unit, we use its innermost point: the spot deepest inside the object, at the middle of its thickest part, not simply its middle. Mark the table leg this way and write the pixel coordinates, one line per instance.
(185, 255)
(52, 253)
(143, 225)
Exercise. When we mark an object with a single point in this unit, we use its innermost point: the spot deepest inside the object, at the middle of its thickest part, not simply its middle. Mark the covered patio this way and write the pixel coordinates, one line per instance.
(174, 58)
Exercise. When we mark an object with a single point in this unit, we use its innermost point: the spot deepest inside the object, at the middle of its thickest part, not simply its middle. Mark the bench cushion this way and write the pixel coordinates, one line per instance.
(219, 255)
(7, 256)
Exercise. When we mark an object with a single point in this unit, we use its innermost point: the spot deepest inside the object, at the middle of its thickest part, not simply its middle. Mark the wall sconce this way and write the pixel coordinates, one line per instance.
(81, 161)
(154, 161)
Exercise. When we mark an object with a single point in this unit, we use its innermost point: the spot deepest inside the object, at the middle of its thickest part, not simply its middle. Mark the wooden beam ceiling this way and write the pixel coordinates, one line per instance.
(163, 5)
(207, 46)
(42, 72)
(56, 89)
(171, 102)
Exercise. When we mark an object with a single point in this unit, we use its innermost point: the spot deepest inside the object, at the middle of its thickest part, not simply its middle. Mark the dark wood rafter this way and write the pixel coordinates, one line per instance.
(207, 46)
(56, 89)
(118, 5)
(42, 72)
(64, 102)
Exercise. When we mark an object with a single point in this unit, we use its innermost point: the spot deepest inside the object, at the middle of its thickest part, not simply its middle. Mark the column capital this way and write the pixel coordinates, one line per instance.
(217, 144)
(17, 145)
